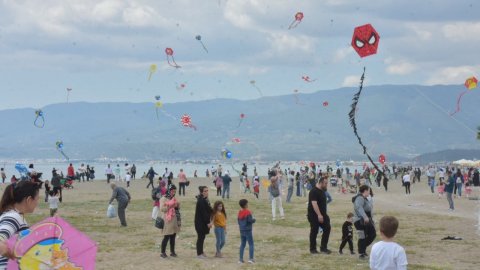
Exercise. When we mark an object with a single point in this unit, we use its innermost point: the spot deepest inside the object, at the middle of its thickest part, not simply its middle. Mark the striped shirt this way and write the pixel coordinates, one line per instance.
(11, 222)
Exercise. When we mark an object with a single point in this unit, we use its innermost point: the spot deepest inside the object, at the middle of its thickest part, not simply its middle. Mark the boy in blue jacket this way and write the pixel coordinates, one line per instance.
(245, 222)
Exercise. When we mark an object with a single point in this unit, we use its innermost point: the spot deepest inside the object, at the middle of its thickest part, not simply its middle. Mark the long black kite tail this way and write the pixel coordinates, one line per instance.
(351, 116)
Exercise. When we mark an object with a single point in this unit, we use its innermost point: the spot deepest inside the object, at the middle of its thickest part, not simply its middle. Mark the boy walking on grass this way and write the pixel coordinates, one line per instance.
(245, 222)
(53, 203)
(347, 234)
(386, 254)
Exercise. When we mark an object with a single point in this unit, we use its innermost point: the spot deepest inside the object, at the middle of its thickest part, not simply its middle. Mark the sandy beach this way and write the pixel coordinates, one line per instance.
(282, 244)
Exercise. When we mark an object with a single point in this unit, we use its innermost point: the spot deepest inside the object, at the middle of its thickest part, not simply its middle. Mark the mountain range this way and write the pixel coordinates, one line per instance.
(400, 121)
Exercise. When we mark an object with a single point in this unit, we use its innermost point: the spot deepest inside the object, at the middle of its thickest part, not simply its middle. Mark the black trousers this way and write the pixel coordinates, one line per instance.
(181, 187)
(219, 191)
(314, 227)
(165, 240)
(366, 235)
(344, 242)
(150, 182)
(200, 241)
(407, 187)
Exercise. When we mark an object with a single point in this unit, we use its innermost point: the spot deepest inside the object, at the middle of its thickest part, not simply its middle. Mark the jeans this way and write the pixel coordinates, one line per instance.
(109, 176)
(246, 236)
(220, 236)
(299, 191)
(407, 187)
(450, 200)
(314, 228)
(200, 241)
(366, 235)
(459, 188)
(165, 240)
(432, 185)
(290, 193)
(226, 190)
(277, 201)
(121, 212)
(181, 187)
(219, 191)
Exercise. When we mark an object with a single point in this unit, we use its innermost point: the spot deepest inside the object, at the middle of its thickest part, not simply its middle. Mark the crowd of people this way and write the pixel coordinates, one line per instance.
(21, 197)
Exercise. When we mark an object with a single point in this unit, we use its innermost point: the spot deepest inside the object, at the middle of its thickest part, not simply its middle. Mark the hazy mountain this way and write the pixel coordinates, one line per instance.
(399, 121)
(449, 155)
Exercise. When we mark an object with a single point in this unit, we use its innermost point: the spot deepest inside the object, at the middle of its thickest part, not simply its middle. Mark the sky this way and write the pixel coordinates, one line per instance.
(103, 49)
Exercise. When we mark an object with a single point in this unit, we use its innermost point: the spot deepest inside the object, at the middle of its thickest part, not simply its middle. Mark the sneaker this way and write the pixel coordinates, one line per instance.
(363, 256)
(241, 262)
(325, 251)
(313, 252)
(340, 252)
(251, 261)
(163, 255)
(352, 252)
(202, 256)
(173, 255)
(282, 218)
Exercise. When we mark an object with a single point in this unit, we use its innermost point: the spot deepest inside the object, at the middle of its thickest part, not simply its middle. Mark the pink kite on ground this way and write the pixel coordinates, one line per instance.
(52, 244)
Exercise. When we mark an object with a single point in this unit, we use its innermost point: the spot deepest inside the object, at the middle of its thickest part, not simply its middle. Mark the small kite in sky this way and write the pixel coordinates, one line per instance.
(478, 133)
(59, 145)
(253, 83)
(39, 115)
(68, 93)
(242, 115)
(297, 21)
(308, 79)
(187, 121)
(153, 69)
(236, 140)
(325, 104)
(226, 154)
(181, 86)
(365, 40)
(199, 38)
(170, 58)
(471, 83)
(297, 99)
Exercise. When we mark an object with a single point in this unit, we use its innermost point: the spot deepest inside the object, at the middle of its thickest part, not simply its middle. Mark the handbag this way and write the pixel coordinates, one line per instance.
(159, 223)
(187, 183)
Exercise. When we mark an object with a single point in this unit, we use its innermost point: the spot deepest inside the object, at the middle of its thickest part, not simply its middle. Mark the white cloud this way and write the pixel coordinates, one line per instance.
(453, 75)
(350, 81)
(285, 43)
(462, 31)
(258, 70)
(139, 15)
(399, 67)
(342, 53)
(422, 31)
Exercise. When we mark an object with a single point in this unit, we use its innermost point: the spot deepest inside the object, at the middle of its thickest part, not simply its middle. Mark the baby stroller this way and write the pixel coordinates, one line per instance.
(333, 181)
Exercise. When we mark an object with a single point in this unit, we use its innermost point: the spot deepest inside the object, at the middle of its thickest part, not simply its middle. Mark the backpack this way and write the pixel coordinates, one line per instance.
(355, 197)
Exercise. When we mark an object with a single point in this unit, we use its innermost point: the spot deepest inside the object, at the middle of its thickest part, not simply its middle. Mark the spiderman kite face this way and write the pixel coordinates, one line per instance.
(365, 40)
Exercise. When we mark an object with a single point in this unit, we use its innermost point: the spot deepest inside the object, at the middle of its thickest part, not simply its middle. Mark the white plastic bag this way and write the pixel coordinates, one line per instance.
(111, 211)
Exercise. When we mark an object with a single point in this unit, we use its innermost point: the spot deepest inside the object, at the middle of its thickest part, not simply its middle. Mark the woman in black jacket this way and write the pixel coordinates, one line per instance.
(203, 219)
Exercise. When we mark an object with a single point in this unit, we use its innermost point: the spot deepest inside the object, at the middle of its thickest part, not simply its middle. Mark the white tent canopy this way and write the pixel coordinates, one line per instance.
(466, 162)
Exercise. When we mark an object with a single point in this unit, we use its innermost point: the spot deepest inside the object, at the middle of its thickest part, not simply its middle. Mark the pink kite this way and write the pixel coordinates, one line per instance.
(236, 140)
(52, 244)
(169, 52)
(325, 103)
(297, 21)
(382, 159)
(181, 86)
(307, 79)
(187, 121)
(241, 119)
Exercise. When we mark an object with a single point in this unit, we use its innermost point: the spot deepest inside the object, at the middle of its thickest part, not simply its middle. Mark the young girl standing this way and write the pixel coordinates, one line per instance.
(220, 221)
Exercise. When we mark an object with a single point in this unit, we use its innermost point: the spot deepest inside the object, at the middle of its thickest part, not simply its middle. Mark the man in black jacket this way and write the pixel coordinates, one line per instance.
(317, 216)
(203, 223)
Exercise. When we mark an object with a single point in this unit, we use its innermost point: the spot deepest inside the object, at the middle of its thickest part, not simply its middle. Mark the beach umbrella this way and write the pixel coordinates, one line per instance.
(52, 244)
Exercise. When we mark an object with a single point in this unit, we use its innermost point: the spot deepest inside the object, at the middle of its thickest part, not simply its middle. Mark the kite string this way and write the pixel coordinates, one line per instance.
(444, 111)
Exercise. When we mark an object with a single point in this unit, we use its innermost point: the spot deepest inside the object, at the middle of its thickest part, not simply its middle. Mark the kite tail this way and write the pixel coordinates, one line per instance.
(42, 123)
(156, 111)
(150, 75)
(203, 45)
(459, 99)
(351, 116)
